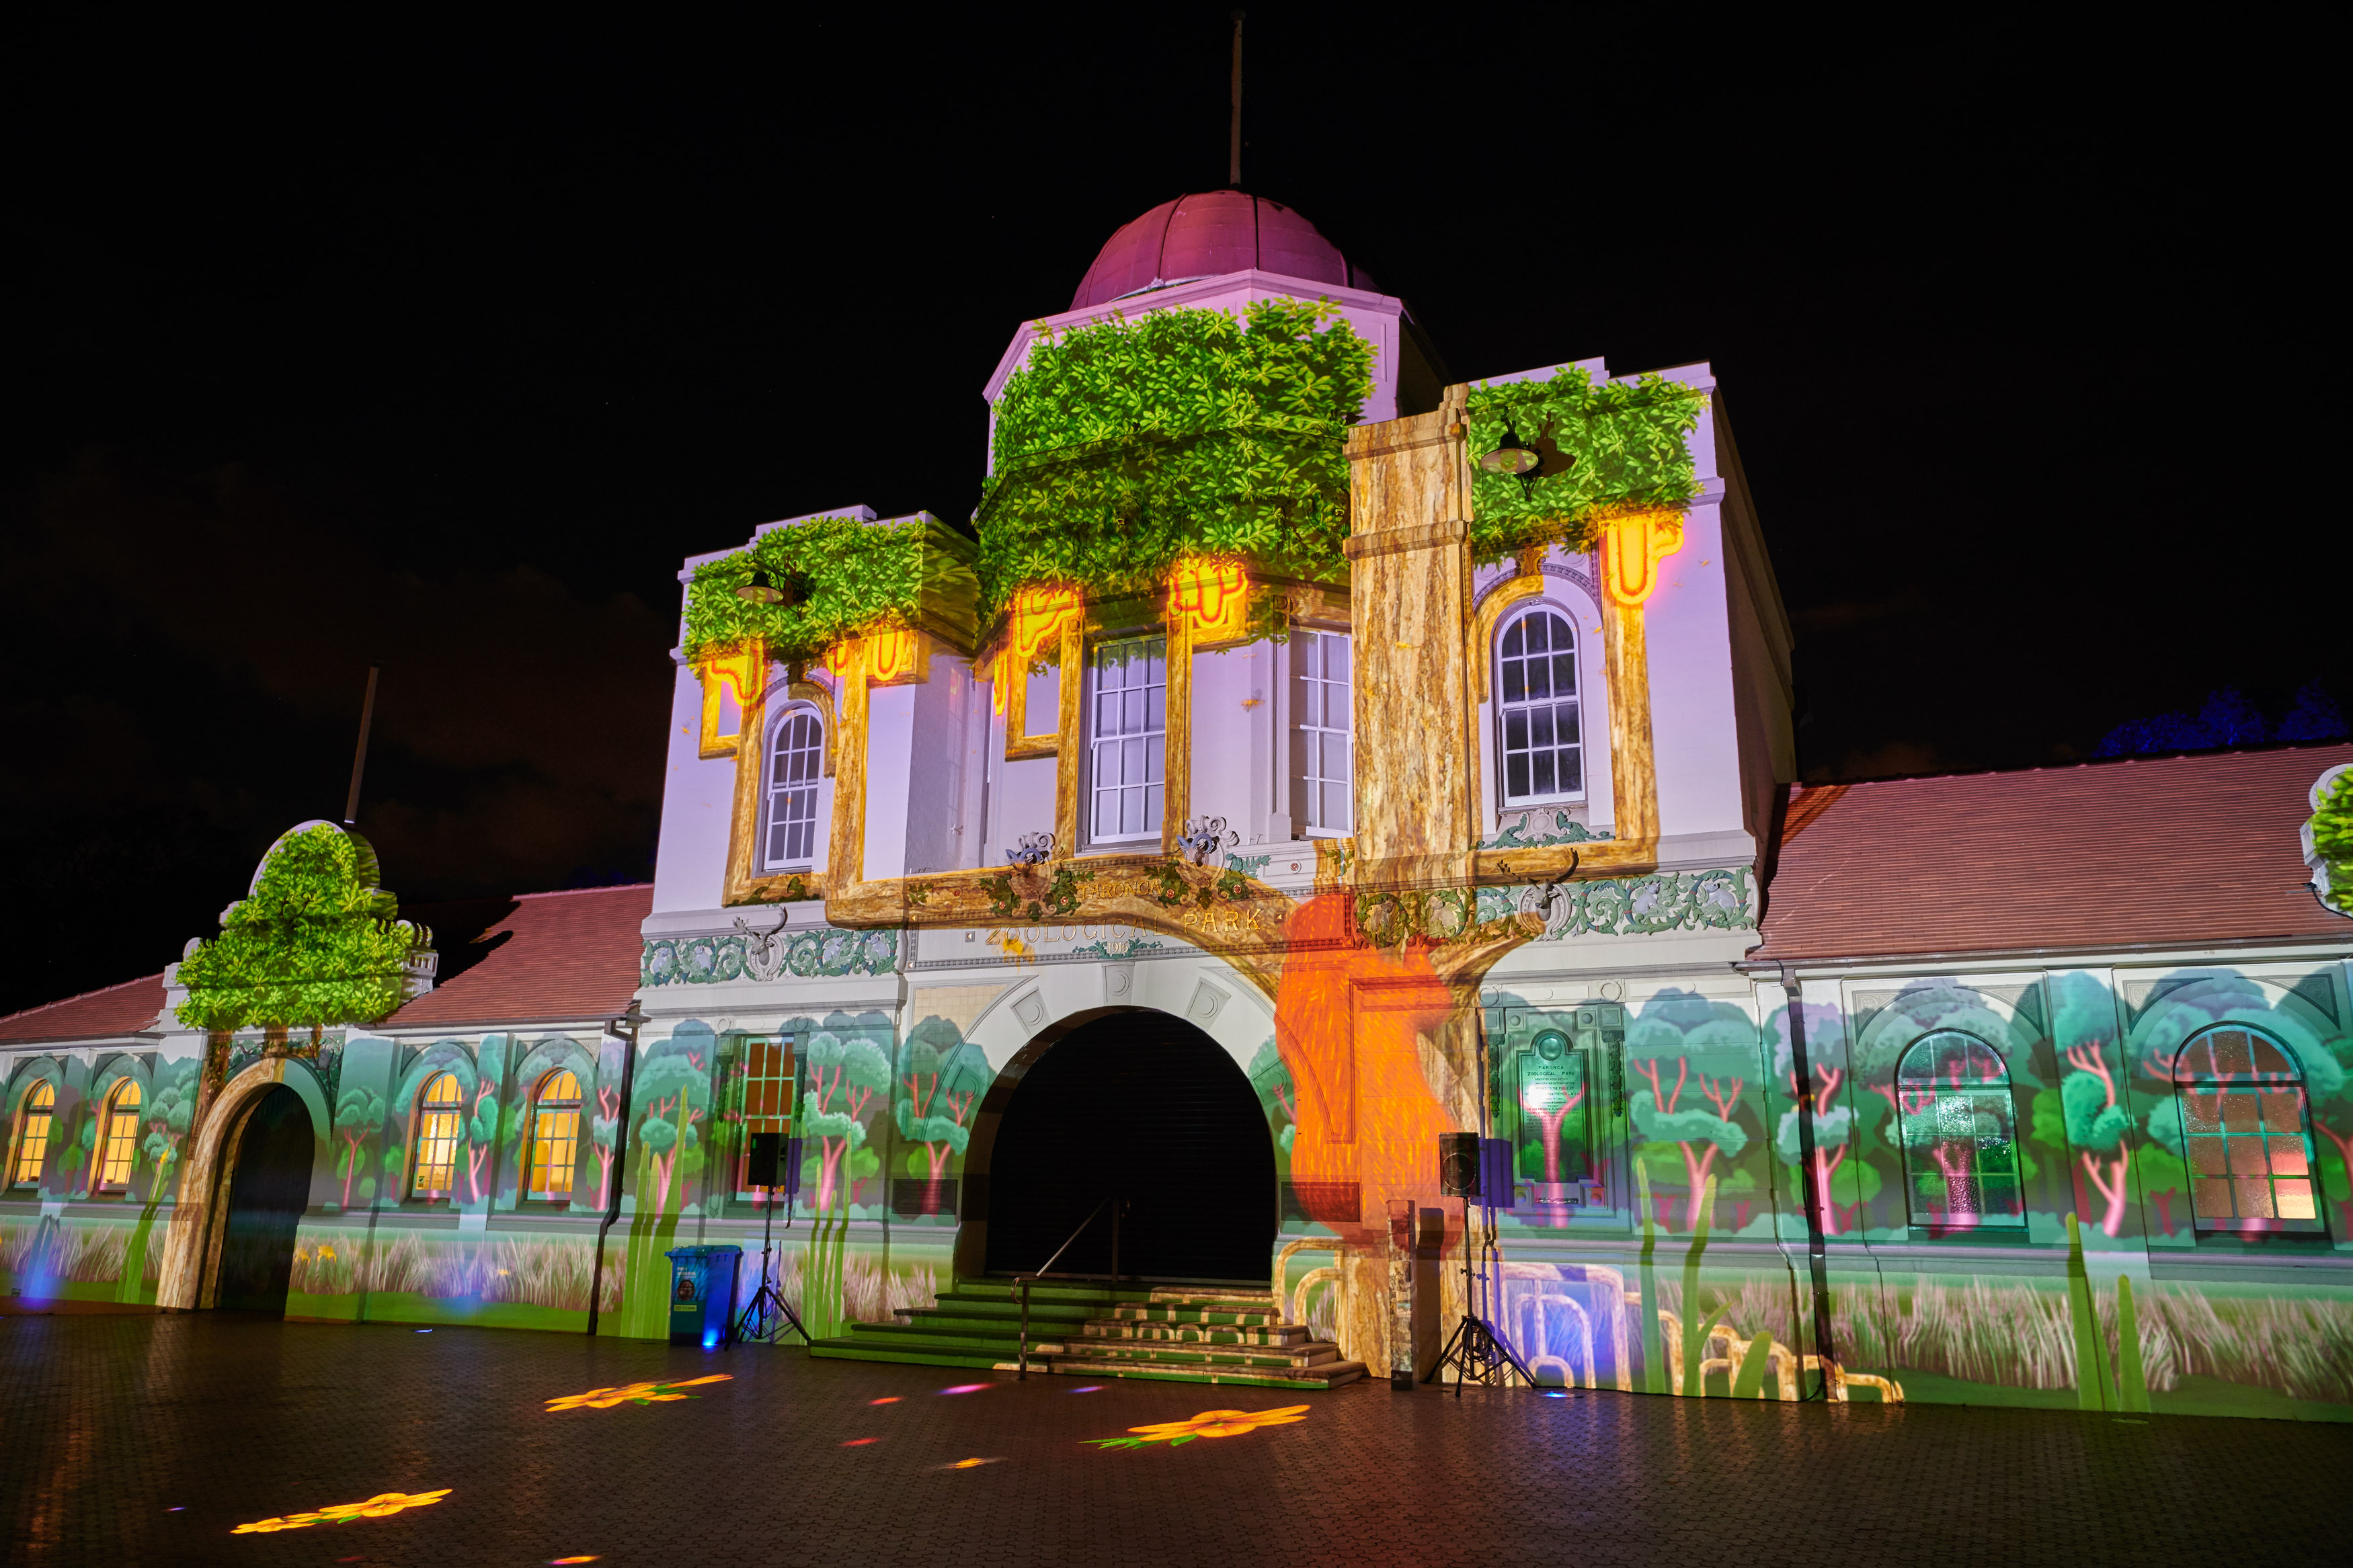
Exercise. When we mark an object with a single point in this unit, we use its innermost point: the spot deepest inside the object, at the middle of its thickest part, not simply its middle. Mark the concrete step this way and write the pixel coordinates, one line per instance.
(1310, 1354)
(1265, 1318)
(1122, 1328)
(1322, 1375)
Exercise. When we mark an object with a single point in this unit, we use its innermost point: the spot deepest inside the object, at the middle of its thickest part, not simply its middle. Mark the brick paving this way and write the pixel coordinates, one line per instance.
(146, 1440)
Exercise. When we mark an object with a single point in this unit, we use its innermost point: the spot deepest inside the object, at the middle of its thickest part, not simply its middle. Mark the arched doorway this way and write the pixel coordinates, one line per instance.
(270, 1187)
(1142, 1106)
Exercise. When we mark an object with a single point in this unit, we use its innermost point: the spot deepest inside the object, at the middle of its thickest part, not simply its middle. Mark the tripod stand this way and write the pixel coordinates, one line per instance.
(767, 1314)
(1475, 1352)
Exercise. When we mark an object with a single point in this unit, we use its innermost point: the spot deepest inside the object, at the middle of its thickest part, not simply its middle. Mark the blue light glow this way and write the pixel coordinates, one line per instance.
(711, 1339)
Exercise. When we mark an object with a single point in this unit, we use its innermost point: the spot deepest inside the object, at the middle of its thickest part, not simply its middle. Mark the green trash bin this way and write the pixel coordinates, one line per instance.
(702, 1295)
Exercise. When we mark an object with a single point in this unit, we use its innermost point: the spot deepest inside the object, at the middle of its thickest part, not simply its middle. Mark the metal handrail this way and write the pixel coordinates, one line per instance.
(1021, 1353)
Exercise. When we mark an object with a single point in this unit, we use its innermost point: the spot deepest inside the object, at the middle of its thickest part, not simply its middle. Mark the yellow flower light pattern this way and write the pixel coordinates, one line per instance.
(1207, 1424)
(635, 1393)
(377, 1507)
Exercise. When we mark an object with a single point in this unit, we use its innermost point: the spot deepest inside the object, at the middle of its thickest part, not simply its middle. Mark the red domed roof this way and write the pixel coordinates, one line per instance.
(1204, 235)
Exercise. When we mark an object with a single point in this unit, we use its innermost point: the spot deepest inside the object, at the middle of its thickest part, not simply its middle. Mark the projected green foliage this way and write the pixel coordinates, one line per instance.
(845, 1079)
(845, 576)
(1126, 445)
(1605, 446)
(316, 943)
(2332, 839)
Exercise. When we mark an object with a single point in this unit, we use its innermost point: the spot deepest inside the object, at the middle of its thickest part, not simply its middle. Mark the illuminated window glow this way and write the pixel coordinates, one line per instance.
(1322, 749)
(440, 1116)
(555, 1137)
(2243, 1132)
(1131, 683)
(767, 1100)
(796, 761)
(1535, 707)
(118, 1148)
(1959, 1134)
(33, 1123)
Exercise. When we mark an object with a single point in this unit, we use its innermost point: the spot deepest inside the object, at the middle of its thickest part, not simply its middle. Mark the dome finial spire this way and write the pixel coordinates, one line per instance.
(1234, 141)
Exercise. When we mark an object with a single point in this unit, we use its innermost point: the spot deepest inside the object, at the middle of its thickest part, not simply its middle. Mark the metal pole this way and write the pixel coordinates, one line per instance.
(1234, 141)
(359, 757)
(1022, 1355)
(1816, 1259)
(625, 1030)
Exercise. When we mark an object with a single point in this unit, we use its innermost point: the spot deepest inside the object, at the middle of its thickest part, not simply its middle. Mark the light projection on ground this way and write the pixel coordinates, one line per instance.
(971, 1464)
(1207, 1424)
(635, 1393)
(378, 1507)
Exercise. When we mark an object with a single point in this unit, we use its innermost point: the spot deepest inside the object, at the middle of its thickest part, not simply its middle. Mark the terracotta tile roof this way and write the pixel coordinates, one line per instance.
(130, 1008)
(557, 956)
(2190, 850)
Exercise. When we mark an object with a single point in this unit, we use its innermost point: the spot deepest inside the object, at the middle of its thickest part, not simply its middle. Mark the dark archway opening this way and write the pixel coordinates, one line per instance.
(1145, 1107)
(268, 1191)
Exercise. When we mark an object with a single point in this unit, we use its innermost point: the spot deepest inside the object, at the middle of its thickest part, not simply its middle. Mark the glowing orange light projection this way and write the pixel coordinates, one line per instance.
(1207, 1424)
(742, 675)
(377, 1507)
(1348, 1022)
(1039, 615)
(891, 654)
(635, 1393)
(1210, 598)
(1632, 545)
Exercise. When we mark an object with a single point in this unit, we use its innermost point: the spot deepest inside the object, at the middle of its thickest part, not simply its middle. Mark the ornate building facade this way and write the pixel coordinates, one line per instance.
(1300, 759)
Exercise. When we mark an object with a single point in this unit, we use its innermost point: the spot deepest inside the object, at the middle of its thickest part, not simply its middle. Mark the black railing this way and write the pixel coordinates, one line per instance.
(1026, 1281)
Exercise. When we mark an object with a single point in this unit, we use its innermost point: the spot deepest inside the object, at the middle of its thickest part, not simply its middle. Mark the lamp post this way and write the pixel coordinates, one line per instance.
(625, 1030)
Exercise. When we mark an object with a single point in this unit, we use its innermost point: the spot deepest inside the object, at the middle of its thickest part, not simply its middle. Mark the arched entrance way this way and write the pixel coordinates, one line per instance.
(270, 1187)
(1142, 1106)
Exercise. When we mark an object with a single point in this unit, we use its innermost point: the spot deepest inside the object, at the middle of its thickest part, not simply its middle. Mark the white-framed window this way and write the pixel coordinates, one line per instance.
(118, 1138)
(555, 1137)
(796, 763)
(1536, 708)
(1128, 688)
(1322, 761)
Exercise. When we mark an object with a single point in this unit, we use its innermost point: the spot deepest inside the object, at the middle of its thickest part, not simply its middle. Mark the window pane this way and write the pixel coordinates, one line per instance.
(1538, 627)
(1335, 658)
(2211, 1199)
(1515, 732)
(1514, 639)
(1152, 808)
(1515, 687)
(1572, 771)
(1564, 673)
(1334, 759)
(1544, 773)
(1334, 814)
(2287, 1157)
(2295, 1201)
(1539, 678)
(2239, 1112)
(1515, 775)
(1540, 727)
(2231, 1053)
(2254, 1197)
(2209, 1157)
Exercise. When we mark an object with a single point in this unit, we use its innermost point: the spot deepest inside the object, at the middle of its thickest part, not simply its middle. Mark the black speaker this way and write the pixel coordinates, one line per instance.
(1458, 1165)
(764, 1161)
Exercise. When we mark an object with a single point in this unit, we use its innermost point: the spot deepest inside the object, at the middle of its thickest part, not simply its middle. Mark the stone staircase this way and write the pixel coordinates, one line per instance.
(1175, 1334)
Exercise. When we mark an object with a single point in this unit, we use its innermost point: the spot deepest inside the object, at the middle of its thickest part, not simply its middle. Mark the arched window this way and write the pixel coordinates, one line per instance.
(1535, 709)
(1959, 1134)
(796, 762)
(555, 1137)
(118, 1138)
(34, 1117)
(2243, 1134)
(441, 1117)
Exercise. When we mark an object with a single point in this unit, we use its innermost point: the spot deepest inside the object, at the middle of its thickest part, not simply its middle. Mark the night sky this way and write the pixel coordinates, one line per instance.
(442, 347)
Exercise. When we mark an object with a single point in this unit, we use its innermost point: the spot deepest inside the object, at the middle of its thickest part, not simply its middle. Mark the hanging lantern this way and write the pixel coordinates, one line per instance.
(1512, 457)
(760, 590)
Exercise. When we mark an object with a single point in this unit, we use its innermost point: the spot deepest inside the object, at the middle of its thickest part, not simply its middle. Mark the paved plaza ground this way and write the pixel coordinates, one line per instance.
(149, 1440)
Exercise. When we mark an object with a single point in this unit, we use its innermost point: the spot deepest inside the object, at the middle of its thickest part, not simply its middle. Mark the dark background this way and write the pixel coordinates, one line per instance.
(443, 346)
